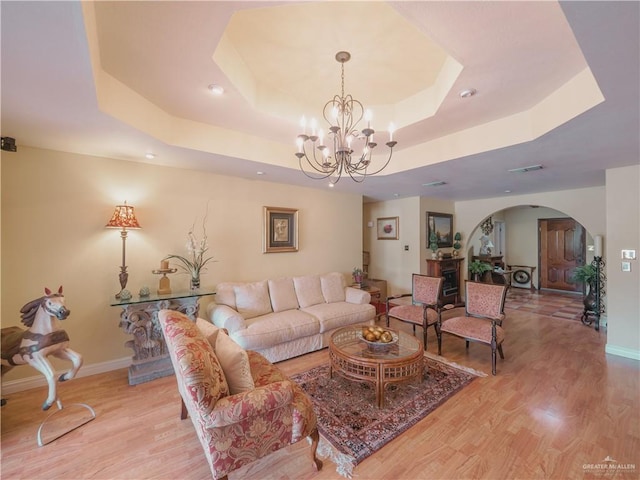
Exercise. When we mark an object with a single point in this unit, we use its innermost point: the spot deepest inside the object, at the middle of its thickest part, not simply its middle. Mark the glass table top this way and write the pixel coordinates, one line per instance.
(154, 297)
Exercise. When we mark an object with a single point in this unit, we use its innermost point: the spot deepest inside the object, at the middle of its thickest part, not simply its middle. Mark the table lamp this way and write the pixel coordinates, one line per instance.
(123, 217)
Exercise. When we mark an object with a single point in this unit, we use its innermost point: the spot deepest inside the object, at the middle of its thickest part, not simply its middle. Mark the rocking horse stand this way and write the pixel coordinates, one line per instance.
(70, 429)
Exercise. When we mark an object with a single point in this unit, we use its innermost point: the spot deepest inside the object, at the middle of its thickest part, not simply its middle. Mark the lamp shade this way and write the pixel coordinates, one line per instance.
(123, 217)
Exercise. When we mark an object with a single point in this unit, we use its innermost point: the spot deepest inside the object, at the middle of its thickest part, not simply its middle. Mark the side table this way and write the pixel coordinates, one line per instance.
(139, 318)
(376, 301)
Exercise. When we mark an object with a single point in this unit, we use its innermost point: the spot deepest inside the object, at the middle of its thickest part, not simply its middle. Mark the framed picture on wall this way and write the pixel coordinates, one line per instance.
(388, 228)
(442, 225)
(280, 230)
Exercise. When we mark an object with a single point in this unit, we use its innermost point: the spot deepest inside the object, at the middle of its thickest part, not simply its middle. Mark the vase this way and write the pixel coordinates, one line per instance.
(590, 301)
(195, 282)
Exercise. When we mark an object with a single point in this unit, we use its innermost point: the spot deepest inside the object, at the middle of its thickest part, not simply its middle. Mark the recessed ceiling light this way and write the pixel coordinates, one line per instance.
(216, 89)
(396, 195)
(467, 92)
(437, 183)
(259, 173)
(150, 155)
(530, 168)
(507, 191)
(331, 185)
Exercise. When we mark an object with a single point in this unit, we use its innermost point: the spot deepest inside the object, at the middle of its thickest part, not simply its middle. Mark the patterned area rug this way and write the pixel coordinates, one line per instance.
(345, 408)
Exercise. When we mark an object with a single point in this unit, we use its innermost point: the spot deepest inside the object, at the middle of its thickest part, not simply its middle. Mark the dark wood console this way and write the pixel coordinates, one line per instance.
(449, 269)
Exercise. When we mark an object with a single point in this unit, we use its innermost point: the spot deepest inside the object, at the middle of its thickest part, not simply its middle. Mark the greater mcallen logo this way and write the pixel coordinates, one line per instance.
(609, 465)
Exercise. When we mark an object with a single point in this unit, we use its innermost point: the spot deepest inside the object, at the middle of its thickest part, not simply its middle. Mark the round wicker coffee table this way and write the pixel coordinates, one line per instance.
(354, 359)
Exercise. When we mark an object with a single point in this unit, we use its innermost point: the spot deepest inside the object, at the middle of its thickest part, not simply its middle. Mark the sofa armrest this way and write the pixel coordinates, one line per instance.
(225, 317)
(357, 295)
(243, 406)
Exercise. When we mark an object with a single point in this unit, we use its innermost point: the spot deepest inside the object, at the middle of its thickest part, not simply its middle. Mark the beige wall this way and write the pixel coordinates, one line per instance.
(623, 233)
(389, 260)
(55, 206)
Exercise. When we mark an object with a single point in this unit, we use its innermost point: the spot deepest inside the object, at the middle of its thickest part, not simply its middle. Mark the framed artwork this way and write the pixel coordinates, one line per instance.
(442, 225)
(280, 230)
(388, 228)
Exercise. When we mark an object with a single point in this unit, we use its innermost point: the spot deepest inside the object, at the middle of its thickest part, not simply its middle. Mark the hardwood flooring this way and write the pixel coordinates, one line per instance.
(558, 403)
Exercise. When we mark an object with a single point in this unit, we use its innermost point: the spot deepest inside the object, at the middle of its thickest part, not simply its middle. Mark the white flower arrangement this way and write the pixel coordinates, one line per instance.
(194, 263)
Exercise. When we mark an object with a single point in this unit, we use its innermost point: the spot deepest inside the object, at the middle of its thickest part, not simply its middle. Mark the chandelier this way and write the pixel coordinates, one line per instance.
(319, 159)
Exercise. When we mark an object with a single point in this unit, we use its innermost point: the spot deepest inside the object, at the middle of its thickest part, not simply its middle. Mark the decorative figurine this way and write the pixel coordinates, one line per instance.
(43, 337)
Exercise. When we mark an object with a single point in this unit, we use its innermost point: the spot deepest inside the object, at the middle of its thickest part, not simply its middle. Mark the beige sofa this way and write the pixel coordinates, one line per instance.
(285, 317)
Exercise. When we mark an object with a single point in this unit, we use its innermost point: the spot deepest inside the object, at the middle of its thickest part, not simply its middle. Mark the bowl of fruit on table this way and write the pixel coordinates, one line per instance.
(378, 337)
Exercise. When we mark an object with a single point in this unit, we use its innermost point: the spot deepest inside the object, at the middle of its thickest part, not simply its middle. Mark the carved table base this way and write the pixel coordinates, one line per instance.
(140, 319)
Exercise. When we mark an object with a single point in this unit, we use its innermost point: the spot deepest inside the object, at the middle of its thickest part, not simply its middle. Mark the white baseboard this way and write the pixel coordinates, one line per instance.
(622, 352)
(28, 383)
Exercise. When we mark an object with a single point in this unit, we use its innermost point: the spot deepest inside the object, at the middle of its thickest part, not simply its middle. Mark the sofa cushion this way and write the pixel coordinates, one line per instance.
(252, 299)
(332, 285)
(340, 314)
(283, 294)
(276, 328)
(308, 290)
(226, 295)
(198, 370)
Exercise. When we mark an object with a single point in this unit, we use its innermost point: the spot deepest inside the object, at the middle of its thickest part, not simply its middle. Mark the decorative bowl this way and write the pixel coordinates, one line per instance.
(378, 344)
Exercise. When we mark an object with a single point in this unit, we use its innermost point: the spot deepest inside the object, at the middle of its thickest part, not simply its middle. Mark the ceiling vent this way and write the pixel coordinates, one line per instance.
(437, 183)
(526, 169)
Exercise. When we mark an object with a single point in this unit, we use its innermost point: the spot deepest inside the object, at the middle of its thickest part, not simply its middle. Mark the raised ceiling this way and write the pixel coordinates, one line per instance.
(148, 64)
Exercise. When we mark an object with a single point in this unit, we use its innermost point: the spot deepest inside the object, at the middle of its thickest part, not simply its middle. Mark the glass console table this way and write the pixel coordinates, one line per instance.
(139, 318)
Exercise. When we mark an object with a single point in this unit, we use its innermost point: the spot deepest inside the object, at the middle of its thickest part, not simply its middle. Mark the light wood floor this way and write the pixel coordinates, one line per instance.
(557, 403)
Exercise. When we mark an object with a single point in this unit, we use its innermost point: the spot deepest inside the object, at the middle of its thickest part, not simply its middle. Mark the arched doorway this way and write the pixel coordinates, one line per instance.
(541, 242)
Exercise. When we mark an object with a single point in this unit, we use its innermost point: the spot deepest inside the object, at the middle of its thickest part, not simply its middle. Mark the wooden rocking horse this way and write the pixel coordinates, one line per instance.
(43, 337)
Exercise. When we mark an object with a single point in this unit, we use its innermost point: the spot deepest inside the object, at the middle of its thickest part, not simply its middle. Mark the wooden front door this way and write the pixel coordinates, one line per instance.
(562, 249)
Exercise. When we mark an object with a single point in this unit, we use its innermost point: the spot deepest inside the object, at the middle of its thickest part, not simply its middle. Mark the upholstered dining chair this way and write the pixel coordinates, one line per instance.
(482, 322)
(424, 310)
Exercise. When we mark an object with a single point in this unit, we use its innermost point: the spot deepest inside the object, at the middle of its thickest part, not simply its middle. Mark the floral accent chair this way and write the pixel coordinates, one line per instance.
(484, 313)
(425, 308)
(268, 413)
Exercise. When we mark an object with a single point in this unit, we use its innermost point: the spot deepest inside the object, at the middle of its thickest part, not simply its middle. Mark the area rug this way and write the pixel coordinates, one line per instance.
(350, 424)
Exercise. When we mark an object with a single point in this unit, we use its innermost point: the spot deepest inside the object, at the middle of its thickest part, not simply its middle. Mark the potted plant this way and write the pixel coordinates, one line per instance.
(587, 274)
(457, 245)
(433, 245)
(478, 268)
(357, 275)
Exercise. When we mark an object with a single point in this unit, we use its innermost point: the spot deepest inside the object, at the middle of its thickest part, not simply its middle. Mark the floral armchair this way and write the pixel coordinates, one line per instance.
(268, 412)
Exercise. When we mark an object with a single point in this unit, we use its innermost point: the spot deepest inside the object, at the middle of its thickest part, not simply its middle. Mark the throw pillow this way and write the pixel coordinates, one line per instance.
(308, 290)
(235, 364)
(209, 330)
(194, 360)
(283, 294)
(333, 287)
(252, 299)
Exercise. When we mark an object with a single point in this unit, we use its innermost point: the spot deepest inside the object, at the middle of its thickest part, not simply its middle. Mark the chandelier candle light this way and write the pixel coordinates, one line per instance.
(123, 217)
(343, 114)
